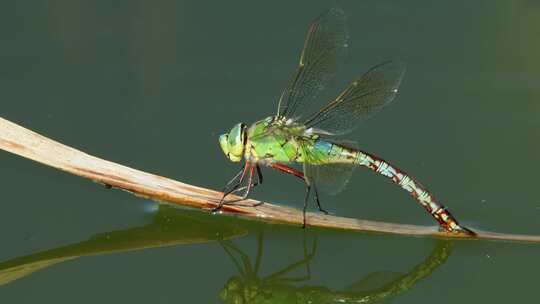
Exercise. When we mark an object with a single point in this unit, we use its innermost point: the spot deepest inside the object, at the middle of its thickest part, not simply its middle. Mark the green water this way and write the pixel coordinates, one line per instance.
(151, 84)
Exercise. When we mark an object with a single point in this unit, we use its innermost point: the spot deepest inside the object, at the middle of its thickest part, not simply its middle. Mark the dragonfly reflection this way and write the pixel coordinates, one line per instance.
(249, 288)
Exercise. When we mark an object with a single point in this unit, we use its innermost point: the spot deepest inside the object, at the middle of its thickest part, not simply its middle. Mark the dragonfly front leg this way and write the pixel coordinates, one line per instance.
(258, 182)
(300, 175)
(249, 186)
(248, 167)
(242, 174)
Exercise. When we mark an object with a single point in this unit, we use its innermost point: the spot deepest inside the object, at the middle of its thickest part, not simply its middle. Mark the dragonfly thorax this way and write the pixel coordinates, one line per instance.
(233, 143)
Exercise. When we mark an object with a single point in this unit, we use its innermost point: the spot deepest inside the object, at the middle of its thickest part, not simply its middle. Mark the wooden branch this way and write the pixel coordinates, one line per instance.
(23, 142)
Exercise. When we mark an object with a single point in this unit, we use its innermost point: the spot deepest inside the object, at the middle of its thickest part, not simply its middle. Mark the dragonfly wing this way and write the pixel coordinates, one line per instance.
(329, 178)
(361, 99)
(325, 45)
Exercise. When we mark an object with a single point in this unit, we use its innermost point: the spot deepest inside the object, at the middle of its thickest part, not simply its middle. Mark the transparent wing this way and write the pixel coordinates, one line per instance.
(325, 45)
(361, 99)
(329, 178)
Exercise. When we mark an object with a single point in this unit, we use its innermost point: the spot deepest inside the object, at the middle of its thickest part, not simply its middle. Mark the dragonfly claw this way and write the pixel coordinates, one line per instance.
(216, 209)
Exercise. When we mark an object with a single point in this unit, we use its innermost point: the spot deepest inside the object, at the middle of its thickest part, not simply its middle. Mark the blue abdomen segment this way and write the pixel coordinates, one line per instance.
(323, 146)
(325, 152)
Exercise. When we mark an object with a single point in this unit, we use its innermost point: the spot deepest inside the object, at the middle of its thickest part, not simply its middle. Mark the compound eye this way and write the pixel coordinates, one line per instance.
(224, 143)
(235, 136)
(236, 142)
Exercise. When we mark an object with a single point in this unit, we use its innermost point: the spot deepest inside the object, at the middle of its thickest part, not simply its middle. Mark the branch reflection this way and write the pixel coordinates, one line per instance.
(170, 227)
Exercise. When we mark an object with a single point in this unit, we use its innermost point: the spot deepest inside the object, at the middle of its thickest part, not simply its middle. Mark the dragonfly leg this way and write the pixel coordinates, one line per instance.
(318, 201)
(259, 175)
(258, 182)
(247, 188)
(253, 185)
(242, 174)
(234, 178)
(306, 199)
(300, 175)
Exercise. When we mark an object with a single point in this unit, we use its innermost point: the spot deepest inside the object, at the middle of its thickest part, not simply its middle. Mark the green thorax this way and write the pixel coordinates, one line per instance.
(283, 140)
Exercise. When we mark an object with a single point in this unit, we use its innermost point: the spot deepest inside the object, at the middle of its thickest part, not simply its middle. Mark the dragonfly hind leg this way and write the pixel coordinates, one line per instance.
(306, 199)
(318, 201)
(300, 175)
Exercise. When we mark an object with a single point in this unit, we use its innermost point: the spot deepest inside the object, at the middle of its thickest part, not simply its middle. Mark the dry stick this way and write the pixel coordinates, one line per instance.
(23, 142)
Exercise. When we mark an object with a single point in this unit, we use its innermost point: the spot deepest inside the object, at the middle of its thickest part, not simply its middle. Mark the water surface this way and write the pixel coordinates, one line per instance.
(152, 84)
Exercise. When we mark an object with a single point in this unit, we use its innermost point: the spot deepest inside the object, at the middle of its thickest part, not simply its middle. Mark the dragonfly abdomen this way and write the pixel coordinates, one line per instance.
(329, 153)
(415, 189)
(400, 178)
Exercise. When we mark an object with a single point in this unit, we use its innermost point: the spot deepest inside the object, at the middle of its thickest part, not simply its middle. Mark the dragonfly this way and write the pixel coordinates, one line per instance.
(310, 145)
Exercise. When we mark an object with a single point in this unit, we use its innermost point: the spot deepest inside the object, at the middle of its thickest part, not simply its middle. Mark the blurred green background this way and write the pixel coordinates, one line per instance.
(151, 84)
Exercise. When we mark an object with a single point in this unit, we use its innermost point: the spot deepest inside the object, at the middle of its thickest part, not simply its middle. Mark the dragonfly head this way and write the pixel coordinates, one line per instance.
(232, 143)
